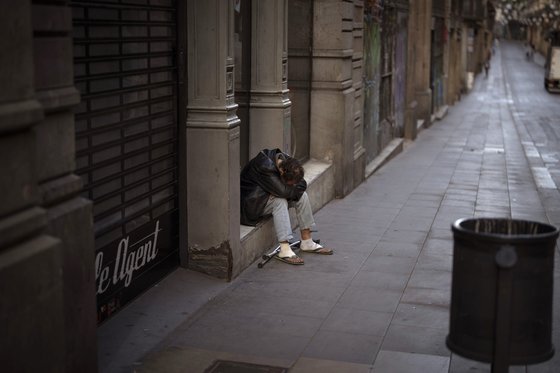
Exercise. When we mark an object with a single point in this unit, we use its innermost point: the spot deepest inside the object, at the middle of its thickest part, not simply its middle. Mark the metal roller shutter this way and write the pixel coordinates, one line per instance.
(126, 140)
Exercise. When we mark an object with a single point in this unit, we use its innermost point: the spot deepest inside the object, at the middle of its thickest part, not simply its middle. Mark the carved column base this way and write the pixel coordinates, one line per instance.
(411, 125)
(424, 108)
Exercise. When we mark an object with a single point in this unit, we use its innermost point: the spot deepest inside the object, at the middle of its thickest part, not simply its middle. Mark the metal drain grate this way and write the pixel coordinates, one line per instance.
(223, 366)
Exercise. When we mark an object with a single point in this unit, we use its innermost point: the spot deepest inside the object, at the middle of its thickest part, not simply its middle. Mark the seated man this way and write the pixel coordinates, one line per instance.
(270, 184)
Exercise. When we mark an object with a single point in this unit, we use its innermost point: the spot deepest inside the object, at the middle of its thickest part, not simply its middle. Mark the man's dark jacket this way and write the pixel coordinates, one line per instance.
(260, 178)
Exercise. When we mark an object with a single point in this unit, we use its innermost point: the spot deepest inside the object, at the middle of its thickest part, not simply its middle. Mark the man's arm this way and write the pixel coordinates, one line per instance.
(268, 178)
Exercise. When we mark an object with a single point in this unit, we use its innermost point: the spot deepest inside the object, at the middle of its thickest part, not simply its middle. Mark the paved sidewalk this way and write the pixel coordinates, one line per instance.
(381, 303)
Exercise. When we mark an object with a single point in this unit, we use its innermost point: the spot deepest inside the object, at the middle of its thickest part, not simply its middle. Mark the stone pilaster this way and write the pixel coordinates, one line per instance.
(212, 132)
(270, 107)
(359, 159)
(333, 93)
(69, 216)
(410, 126)
(455, 61)
(447, 50)
(479, 48)
(452, 78)
(421, 10)
(31, 307)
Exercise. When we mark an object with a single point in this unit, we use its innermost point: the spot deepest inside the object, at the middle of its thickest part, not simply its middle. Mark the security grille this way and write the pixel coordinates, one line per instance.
(126, 139)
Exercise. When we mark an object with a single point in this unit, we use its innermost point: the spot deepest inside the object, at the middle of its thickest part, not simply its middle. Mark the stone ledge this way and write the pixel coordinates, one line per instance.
(420, 125)
(393, 148)
(259, 239)
(440, 114)
(18, 116)
(18, 226)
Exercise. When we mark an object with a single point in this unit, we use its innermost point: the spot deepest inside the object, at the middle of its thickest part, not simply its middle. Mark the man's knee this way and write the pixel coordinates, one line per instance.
(280, 203)
(304, 200)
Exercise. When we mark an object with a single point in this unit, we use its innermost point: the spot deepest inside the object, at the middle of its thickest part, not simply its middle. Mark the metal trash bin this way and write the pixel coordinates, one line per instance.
(501, 295)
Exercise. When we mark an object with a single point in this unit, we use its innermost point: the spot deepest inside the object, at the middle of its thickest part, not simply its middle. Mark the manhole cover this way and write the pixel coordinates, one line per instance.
(223, 366)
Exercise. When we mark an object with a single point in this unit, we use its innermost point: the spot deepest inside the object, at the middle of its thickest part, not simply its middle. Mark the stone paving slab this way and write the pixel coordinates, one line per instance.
(310, 365)
(404, 362)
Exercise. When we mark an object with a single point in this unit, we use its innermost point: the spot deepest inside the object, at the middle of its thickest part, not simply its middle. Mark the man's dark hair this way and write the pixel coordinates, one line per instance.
(293, 170)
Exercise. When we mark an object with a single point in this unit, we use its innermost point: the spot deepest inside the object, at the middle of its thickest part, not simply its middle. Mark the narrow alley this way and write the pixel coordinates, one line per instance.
(381, 303)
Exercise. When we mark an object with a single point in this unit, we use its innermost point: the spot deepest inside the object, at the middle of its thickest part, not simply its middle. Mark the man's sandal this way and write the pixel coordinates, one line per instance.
(319, 250)
(293, 260)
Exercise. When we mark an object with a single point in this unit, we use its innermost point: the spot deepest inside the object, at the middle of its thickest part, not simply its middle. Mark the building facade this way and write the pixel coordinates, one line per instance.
(124, 125)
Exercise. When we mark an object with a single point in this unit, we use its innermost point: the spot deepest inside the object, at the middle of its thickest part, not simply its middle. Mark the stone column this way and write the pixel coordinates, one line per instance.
(479, 47)
(69, 216)
(465, 64)
(410, 127)
(452, 79)
(31, 306)
(455, 61)
(359, 159)
(212, 132)
(447, 50)
(422, 11)
(270, 107)
(333, 93)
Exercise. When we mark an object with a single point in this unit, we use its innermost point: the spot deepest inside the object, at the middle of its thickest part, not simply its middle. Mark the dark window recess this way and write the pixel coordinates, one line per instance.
(126, 136)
